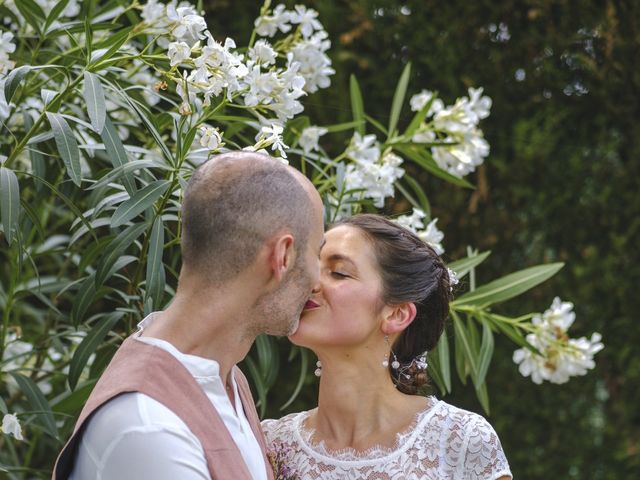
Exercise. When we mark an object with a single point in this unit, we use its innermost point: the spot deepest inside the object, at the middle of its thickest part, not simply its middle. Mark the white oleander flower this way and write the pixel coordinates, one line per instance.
(155, 13)
(5, 108)
(373, 175)
(310, 137)
(433, 237)
(186, 24)
(419, 100)
(560, 357)
(272, 136)
(268, 25)
(414, 221)
(11, 426)
(6, 47)
(210, 138)
(464, 156)
(262, 53)
(178, 53)
(479, 105)
(307, 19)
(315, 65)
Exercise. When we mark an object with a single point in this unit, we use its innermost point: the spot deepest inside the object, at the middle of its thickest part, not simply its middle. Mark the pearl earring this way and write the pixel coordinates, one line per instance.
(385, 363)
(318, 370)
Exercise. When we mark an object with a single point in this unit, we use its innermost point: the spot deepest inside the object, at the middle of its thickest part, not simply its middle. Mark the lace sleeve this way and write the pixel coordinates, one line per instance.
(484, 457)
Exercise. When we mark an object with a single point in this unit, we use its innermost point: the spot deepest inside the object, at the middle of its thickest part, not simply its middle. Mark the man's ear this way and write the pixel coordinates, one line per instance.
(282, 255)
(397, 318)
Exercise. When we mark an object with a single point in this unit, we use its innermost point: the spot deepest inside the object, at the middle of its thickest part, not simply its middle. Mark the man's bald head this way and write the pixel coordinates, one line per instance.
(233, 204)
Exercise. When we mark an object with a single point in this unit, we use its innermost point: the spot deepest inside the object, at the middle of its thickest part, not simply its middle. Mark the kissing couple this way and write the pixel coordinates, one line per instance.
(367, 296)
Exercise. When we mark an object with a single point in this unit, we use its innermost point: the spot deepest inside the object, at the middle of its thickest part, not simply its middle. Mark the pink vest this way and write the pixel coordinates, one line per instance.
(144, 368)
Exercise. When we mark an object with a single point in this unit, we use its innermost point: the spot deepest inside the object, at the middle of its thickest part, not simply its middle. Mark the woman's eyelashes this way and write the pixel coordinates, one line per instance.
(339, 275)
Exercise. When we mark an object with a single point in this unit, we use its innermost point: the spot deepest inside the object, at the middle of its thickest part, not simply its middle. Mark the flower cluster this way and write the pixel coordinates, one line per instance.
(559, 357)
(11, 426)
(429, 234)
(278, 458)
(371, 172)
(462, 146)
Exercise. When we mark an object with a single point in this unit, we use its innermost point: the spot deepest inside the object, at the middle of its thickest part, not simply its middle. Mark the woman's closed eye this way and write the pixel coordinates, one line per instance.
(339, 274)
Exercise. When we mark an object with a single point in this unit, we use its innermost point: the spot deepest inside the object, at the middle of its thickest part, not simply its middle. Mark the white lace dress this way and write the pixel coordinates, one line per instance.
(443, 442)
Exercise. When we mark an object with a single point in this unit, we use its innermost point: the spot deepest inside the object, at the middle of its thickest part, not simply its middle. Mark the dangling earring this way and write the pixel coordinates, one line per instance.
(385, 363)
(318, 370)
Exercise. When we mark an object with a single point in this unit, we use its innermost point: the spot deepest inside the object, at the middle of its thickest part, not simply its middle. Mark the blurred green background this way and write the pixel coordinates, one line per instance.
(562, 183)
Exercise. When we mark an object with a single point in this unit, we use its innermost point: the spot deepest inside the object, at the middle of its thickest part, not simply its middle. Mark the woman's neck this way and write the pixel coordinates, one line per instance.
(361, 408)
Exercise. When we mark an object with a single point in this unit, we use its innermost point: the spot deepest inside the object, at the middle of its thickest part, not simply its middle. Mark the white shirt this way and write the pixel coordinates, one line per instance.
(134, 436)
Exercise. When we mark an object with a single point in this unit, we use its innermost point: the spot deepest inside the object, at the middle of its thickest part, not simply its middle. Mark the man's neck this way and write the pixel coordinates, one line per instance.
(210, 324)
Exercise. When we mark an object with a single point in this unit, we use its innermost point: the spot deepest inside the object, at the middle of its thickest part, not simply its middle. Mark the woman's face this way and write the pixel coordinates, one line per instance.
(344, 309)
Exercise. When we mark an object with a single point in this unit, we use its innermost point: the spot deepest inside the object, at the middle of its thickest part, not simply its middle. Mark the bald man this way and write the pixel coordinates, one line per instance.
(172, 404)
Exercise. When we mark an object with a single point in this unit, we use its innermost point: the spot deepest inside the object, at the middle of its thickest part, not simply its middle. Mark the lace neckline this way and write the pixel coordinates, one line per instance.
(374, 454)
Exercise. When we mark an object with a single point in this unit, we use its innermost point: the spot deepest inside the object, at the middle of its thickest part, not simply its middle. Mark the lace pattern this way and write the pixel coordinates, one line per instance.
(442, 442)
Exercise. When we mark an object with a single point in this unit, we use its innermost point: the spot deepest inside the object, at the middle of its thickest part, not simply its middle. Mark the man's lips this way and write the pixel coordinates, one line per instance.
(310, 304)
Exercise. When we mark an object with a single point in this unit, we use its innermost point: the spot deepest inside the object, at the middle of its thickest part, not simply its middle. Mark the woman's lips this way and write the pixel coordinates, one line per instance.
(310, 305)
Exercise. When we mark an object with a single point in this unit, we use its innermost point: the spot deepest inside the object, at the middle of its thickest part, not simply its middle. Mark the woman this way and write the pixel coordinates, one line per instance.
(381, 303)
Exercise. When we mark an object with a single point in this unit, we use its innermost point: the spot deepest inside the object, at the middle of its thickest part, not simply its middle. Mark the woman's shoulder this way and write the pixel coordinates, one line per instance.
(462, 420)
(282, 428)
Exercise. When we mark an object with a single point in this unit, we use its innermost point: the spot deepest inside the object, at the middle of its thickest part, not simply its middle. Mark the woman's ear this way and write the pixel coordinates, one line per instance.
(398, 317)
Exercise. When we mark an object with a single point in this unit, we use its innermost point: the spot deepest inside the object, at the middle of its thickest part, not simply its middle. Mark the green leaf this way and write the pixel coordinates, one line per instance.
(71, 402)
(304, 365)
(444, 360)
(155, 268)
(260, 387)
(14, 80)
(10, 202)
(31, 12)
(418, 118)
(113, 44)
(38, 403)
(465, 344)
(398, 99)
(357, 106)
(67, 146)
(486, 353)
(435, 372)
(508, 286)
(115, 249)
(140, 201)
(89, 345)
(419, 191)
(116, 152)
(339, 127)
(83, 298)
(123, 171)
(483, 397)
(464, 265)
(55, 12)
(422, 158)
(94, 96)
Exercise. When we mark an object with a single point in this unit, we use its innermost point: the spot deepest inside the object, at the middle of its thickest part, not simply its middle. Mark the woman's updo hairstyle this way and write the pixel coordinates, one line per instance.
(411, 271)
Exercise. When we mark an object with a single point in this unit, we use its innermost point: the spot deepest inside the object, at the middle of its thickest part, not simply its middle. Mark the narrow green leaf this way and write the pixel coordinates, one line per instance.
(115, 249)
(83, 299)
(31, 12)
(435, 372)
(398, 99)
(304, 365)
(71, 402)
(464, 265)
(483, 397)
(357, 106)
(14, 80)
(155, 268)
(509, 330)
(116, 152)
(38, 402)
(444, 360)
(123, 171)
(419, 191)
(94, 96)
(89, 345)
(339, 127)
(486, 353)
(465, 343)
(145, 118)
(10, 202)
(140, 201)
(55, 12)
(418, 118)
(508, 286)
(67, 146)
(260, 387)
(113, 44)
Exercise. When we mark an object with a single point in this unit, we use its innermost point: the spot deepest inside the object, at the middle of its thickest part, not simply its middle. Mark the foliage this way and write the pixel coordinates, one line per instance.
(107, 111)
